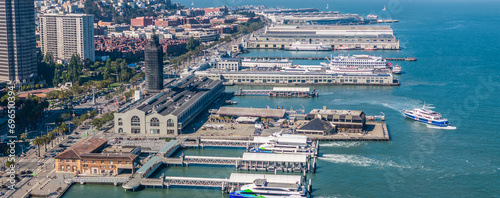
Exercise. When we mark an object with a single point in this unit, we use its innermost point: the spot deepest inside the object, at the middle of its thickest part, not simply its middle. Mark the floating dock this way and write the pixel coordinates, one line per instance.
(293, 92)
(235, 181)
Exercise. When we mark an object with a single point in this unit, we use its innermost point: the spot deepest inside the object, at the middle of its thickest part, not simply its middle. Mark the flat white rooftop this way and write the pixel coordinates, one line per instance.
(284, 139)
(268, 157)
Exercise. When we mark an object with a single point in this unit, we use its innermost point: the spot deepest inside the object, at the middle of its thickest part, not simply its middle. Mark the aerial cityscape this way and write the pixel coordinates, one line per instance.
(234, 99)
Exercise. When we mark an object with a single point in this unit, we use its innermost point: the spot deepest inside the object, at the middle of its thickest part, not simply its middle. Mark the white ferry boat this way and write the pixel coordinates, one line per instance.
(280, 148)
(396, 69)
(428, 117)
(297, 46)
(263, 191)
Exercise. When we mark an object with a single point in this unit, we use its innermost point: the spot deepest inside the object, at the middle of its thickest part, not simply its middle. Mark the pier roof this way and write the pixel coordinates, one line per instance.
(285, 139)
(267, 157)
(316, 125)
(180, 98)
(296, 89)
(84, 146)
(252, 112)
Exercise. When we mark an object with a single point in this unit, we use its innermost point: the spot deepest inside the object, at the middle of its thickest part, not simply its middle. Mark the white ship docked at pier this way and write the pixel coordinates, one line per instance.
(298, 46)
(356, 64)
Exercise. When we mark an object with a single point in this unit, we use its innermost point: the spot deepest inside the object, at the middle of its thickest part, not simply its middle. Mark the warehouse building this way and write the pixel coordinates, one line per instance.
(169, 113)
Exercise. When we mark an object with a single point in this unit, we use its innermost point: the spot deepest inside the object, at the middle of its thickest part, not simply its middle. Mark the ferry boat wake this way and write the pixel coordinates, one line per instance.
(445, 128)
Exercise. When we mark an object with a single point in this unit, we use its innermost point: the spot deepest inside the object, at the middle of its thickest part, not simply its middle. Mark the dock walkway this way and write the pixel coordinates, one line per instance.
(235, 180)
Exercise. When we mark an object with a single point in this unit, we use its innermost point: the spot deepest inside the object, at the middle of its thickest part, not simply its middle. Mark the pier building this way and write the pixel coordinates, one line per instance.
(169, 113)
(299, 78)
(343, 120)
(231, 64)
(265, 63)
(317, 126)
(352, 37)
(251, 112)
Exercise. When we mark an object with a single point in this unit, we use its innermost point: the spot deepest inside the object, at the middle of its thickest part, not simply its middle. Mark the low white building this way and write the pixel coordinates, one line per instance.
(231, 64)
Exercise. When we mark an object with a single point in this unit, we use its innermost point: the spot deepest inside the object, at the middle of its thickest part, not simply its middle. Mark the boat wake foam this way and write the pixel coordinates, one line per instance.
(357, 160)
(343, 144)
(445, 128)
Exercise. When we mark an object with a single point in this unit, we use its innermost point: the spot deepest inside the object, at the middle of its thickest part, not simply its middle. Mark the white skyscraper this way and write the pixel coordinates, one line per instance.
(65, 35)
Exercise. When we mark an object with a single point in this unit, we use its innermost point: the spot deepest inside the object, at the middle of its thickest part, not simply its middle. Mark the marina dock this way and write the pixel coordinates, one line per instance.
(226, 184)
(326, 58)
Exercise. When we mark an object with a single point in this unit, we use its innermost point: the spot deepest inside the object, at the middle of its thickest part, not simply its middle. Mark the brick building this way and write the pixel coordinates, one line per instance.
(85, 157)
(142, 21)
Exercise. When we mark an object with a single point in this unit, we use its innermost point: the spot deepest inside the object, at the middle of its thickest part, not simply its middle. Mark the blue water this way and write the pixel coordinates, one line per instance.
(457, 72)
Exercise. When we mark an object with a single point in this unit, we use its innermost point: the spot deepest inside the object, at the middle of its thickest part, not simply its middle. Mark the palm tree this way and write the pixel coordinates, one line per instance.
(38, 142)
(45, 141)
(24, 136)
(269, 120)
(51, 136)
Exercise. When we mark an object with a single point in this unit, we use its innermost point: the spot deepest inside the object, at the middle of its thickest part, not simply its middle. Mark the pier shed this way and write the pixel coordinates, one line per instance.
(251, 112)
(268, 161)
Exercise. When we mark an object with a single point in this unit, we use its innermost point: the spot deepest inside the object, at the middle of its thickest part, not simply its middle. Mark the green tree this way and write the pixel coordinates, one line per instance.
(75, 67)
(49, 59)
(191, 44)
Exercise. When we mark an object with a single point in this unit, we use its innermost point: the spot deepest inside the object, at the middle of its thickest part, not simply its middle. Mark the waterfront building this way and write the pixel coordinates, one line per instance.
(316, 18)
(343, 120)
(85, 157)
(66, 34)
(299, 78)
(352, 37)
(316, 126)
(153, 61)
(231, 64)
(169, 113)
(251, 112)
(18, 61)
(267, 63)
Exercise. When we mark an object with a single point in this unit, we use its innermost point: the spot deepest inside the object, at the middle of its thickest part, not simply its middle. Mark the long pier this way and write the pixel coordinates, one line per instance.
(298, 92)
(249, 161)
(325, 58)
(226, 184)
